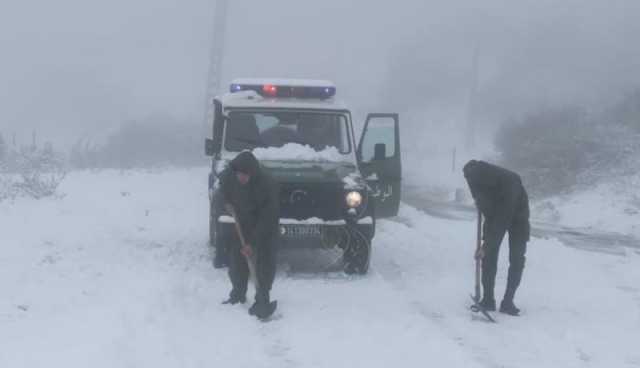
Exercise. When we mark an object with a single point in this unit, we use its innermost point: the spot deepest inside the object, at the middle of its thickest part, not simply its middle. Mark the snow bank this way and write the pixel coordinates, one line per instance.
(608, 206)
(298, 152)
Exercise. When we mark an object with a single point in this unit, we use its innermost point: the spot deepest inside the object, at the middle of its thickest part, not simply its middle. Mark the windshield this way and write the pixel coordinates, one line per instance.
(249, 130)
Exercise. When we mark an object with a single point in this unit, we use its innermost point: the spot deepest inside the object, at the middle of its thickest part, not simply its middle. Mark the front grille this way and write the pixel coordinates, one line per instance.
(303, 201)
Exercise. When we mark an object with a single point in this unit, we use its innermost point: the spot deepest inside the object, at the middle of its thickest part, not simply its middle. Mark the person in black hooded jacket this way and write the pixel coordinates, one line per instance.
(503, 201)
(254, 197)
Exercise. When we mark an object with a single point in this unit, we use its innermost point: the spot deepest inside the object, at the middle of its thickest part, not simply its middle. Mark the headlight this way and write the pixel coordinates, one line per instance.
(354, 199)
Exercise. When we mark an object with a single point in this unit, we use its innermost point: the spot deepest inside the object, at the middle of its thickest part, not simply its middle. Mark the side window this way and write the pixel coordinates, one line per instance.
(380, 130)
(241, 132)
(344, 134)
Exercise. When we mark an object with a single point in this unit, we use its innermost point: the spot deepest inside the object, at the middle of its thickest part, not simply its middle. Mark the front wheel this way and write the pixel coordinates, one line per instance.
(213, 224)
(217, 240)
(357, 254)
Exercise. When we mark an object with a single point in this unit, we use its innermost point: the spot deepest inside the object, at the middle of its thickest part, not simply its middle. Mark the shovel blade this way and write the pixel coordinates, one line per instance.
(477, 308)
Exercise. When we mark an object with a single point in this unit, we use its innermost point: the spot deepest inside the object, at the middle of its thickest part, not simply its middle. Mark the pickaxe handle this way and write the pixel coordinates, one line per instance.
(478, 260)
(251, 261)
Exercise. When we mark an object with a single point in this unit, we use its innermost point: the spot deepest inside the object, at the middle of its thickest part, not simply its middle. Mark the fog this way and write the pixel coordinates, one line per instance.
(75, 68)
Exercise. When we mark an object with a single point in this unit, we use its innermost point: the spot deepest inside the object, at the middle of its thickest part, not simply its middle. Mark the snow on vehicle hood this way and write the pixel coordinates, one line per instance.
(287, 171)
(298, 152)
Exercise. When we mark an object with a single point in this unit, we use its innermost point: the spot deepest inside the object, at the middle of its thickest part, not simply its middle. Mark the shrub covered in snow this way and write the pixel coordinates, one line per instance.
(4, 149)
(554, 150)
(627, 111)
(31, 171)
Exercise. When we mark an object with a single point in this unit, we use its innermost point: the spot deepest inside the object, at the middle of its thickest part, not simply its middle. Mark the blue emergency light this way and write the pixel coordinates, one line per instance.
(295, 89)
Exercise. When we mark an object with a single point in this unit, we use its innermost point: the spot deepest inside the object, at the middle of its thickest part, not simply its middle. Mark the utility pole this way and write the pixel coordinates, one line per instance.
(216, 54)
(471, 101)
(34, 144)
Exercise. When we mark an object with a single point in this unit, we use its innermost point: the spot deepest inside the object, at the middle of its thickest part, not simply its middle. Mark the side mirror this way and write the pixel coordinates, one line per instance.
(210, 147)
(379, 151)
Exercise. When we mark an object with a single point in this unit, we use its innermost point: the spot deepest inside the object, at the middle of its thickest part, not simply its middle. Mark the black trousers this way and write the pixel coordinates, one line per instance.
(265, 254)
(518, 238)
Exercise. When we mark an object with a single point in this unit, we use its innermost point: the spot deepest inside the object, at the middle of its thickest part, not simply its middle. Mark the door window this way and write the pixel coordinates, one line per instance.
(379, 130)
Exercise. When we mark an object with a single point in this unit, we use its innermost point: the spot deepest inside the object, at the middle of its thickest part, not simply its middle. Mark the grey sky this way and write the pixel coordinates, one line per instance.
(74, 68)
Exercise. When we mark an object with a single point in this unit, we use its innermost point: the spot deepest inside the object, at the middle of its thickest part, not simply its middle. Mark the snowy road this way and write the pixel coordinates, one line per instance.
(117, 273)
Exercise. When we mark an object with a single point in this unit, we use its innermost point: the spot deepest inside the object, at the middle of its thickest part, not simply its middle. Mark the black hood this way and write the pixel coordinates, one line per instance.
(246, 163)
(479, 174)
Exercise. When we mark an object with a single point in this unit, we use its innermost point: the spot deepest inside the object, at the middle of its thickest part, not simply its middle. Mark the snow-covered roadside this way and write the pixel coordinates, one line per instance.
(117, 273)
(608, 206)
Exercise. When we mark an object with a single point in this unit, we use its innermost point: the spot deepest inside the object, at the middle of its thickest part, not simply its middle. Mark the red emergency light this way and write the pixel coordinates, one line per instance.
(270, 90)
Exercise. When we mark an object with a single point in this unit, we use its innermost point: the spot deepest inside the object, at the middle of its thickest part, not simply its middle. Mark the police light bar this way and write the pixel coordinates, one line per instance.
(285, 88)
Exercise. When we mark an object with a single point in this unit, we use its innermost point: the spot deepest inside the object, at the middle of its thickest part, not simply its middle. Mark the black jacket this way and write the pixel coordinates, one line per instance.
(500, 197)
(257, 203)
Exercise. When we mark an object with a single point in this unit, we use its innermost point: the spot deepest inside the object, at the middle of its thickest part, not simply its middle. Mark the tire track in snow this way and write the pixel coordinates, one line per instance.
(393, 273)
(390, 274)
(289, 340)
(277, 346)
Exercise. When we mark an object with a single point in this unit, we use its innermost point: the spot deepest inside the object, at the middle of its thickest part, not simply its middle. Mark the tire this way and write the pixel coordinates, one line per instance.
(218, 240)
(213, 227)
(357, 255)
(217, 233)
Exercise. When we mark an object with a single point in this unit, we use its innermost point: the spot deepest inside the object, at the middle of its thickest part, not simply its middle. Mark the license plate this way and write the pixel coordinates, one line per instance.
(300, 231)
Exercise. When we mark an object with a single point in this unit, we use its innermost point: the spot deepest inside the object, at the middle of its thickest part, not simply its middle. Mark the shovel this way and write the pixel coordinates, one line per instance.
(476, 307)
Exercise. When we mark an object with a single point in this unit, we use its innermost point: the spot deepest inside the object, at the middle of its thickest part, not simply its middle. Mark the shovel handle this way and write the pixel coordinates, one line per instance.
(478, 260)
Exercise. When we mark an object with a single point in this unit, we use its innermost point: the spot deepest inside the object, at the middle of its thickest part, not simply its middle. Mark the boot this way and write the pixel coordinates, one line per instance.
(253, 308)
(262, 298)
(262, 308)
(265, 310)
(235, 298)
(507, 307)
(488, 303)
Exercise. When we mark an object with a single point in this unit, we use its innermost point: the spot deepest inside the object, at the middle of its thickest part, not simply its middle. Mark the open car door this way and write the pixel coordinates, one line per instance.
(379, 160)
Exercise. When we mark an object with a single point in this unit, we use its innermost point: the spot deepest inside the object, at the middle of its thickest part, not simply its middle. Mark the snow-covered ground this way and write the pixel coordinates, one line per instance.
(116, 272)
(612, 205)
